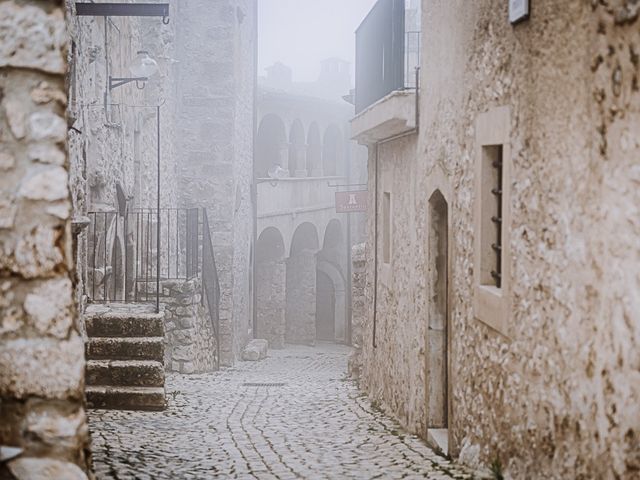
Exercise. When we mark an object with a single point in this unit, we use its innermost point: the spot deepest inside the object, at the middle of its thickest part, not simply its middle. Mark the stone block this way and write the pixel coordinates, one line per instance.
(16, 114)
(36, 253)
(32, 38)
(49, 307)
(46, 154)
(8, 211)
(255, 350)
(7, 161)
(56, 426)
(42, 367)
(45, 469)
(47, 126)
(48, 184)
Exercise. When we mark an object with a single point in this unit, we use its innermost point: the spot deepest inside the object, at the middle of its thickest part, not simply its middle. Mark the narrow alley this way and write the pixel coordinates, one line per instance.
(293, 415)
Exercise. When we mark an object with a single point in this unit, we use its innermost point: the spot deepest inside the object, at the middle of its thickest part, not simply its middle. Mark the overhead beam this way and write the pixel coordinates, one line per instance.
(122, 9)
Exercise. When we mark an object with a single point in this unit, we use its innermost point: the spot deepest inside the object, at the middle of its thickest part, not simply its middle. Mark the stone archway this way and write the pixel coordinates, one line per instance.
(331, 303)
(270, 285)
(300, 313)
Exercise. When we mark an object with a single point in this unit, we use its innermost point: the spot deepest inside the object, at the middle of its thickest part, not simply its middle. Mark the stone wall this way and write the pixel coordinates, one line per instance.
(270, 280)
(41, 351)
(301, 298)
(215, 115)
(359, 308)
(557, 396)
(190, 342)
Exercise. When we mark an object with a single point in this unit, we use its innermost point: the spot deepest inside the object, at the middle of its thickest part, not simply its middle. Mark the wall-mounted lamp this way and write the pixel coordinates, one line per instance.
(142, 68)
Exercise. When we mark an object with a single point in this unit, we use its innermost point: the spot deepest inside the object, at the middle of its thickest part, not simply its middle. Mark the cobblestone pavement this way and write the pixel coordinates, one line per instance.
(310, 423)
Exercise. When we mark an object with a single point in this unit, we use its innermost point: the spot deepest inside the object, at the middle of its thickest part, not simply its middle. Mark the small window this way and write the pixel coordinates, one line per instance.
(386, 222)
(492, 292)
(491, 206)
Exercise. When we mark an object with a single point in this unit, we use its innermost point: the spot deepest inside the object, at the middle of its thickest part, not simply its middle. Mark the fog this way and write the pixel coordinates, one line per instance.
(301, 33)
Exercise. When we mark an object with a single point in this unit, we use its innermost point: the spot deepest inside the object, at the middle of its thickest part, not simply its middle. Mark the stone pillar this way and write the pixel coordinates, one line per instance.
(358, 307)
(301, 298)
(299, 153)
(314, 160)
(42, 415)
(270, 288)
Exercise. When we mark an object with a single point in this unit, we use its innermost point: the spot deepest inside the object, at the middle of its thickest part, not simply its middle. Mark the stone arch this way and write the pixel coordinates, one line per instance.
(297, 149)
(337, 305)
(300, 316)
(314, 151)
(332, 150)
(305, 237)
(270, 284)
(271, 145)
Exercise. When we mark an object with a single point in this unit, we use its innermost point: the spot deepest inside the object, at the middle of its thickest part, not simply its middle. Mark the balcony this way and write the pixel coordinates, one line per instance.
(387, 59)
(387, 51)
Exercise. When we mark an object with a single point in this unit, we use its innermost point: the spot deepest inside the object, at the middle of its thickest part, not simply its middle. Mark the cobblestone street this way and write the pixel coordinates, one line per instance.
(310, 422)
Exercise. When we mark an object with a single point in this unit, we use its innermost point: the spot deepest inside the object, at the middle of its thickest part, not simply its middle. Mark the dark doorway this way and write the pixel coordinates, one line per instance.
(325, 308)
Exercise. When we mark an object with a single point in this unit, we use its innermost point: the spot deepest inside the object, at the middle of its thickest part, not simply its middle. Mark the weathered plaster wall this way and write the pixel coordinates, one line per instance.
(559, 397)
(215, 117)
(41, 351)
(190, 342)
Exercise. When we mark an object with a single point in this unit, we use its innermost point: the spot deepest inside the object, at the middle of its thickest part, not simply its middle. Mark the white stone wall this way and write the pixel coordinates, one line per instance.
(41, 350)
(214, 139)
(557, 398)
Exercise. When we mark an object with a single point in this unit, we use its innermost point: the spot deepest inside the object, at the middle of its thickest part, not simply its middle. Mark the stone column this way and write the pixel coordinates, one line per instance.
(301, 298)
(270, 288)
(299, 152)
(42, 415)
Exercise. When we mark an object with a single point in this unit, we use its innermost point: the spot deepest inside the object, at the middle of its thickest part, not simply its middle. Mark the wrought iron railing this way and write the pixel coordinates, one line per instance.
(387, 52)
(130, 255)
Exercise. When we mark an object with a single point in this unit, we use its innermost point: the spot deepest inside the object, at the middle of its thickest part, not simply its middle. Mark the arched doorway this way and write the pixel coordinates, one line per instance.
(437, 341)
(325, 307)
(270, 287)
(301, 286)
(331, 291)
(271, 146)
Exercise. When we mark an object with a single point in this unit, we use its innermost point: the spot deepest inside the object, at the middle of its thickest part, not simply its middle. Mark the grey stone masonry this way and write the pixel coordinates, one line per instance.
(42, 416)
(359, 307)
(125, 357)
(190, 342)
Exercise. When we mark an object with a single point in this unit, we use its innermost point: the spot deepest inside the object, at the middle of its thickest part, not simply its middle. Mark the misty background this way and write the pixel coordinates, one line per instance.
(302, 33)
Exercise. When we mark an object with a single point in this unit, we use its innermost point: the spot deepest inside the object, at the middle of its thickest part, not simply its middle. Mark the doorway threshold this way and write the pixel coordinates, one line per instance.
(438, 438)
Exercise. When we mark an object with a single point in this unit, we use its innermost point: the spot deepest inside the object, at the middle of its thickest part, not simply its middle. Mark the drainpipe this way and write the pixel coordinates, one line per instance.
(254, 184)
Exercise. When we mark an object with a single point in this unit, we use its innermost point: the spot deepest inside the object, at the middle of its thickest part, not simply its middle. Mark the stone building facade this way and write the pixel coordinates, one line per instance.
(43, 428)
(514, 347)
(302, 157)
(206, 132)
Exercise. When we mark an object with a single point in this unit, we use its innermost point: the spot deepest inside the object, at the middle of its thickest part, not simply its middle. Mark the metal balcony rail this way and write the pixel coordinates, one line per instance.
(128, 260)
(387, 55)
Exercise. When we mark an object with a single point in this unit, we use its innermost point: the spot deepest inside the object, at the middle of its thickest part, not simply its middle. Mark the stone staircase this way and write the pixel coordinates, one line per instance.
(125, 357)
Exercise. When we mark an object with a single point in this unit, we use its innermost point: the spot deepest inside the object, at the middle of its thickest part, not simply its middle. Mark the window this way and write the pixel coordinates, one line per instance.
(491, 205)
(491, 298)
(386, 232)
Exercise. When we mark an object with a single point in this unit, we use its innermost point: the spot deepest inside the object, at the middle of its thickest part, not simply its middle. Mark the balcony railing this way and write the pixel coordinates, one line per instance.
(387, 52)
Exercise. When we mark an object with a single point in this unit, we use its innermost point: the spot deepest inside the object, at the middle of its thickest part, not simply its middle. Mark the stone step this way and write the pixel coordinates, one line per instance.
(125, 373)
(127, 348)
(123, 324)
(125, 398)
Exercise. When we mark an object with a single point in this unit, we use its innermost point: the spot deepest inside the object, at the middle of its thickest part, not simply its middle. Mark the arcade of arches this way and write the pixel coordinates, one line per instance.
(302, 295)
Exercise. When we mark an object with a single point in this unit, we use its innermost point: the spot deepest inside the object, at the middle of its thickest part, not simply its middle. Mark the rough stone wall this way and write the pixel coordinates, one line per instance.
(301, 298)
(41, 351)
(190, 343)
(558, 398)
(215, 116)
(270, 279)
(359, 308)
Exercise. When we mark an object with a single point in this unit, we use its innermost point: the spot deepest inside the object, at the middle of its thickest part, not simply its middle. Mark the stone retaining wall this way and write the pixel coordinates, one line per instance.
(190, 343)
